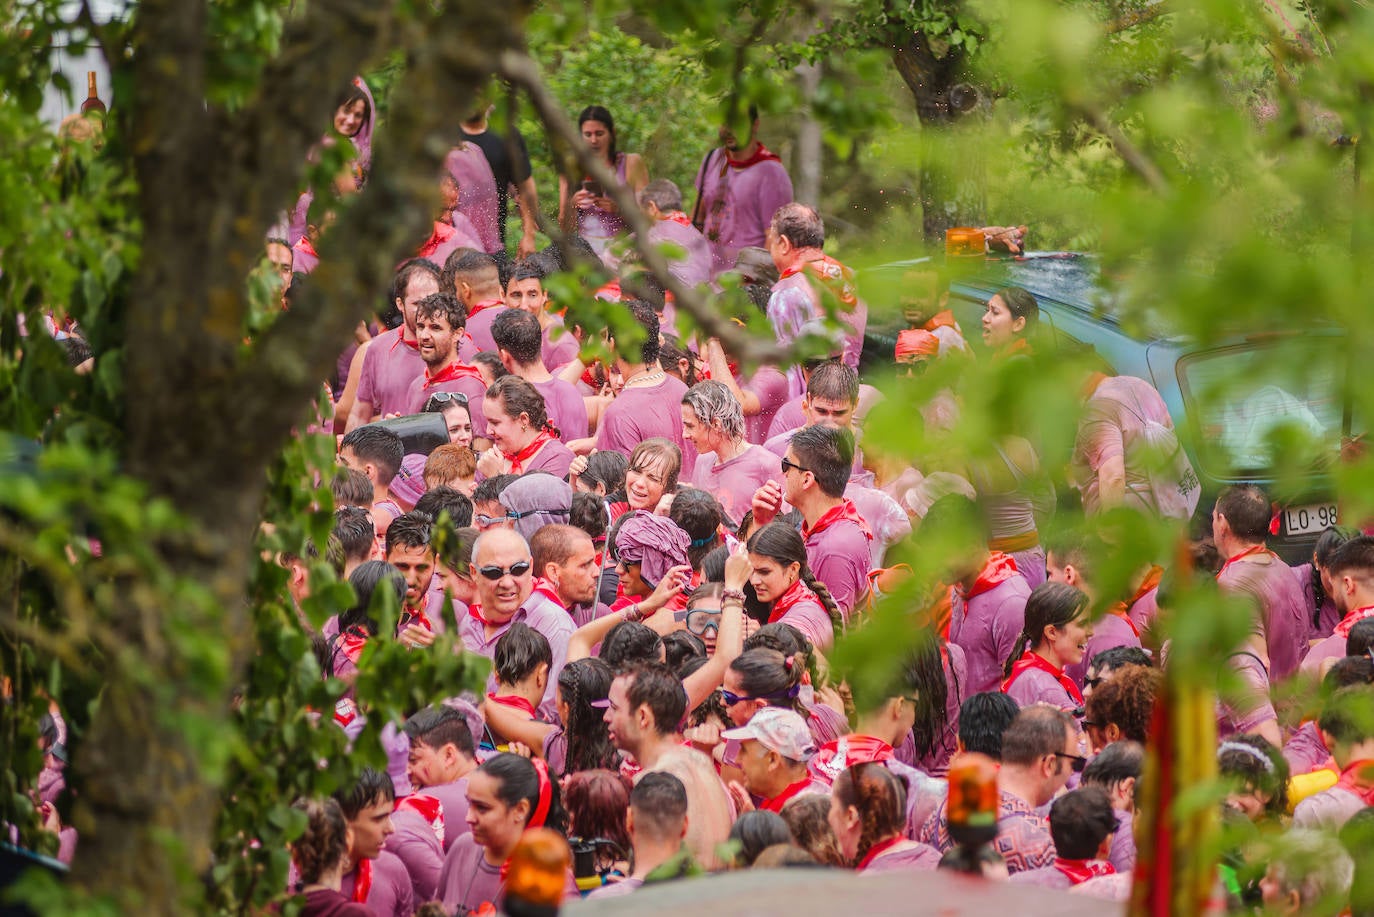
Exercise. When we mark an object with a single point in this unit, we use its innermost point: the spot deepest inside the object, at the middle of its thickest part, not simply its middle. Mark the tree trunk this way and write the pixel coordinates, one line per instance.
(949, 195)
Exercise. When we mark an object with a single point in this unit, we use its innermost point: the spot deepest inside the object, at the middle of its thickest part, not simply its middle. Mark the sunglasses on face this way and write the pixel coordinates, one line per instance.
(793, 466)
(439, 399)
(731, 698)
(700, 620)
(494, 573)
(1077, 762)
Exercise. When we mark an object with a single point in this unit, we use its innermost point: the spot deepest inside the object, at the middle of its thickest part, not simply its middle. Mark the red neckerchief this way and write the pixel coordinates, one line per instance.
(677, 216)
(362, 886)
(489, 304)
(429, 808)
(610, 292)
(777, 802)
(303, 243)
(797, 592)
(1033, 660)
(1151, 581)
(452, 372)
(518, 460)
(401, 339)
(1361, 784)
(545, 588)
(475, 612)
(1121, 609)
(352, 641)
(419, 616)
(441, 234)
(999, 568)
(878, 850)
(762, 154)
(832, 274)
(847, 751)
(1257, 549)
(1080, 871)
(942, 319)
(513, 702)
(845, 510)
(1359, 614)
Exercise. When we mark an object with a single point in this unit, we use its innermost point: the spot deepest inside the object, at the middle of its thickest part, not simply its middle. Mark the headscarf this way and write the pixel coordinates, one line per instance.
(654, 542)
(538, 500)
(916, 343)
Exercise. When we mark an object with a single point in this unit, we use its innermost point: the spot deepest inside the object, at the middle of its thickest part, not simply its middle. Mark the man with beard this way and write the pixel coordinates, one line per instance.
(566, 571)
(393, 361)
(439, 323)
(739, 188)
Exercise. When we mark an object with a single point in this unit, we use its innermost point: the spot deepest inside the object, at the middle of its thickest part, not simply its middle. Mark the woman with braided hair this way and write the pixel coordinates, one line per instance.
(783, 583)
(868, 816)
(319, 855)
(582, 742)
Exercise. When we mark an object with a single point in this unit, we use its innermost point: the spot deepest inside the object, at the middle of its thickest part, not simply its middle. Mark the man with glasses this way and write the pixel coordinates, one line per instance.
(503, 572)
(1039, 754)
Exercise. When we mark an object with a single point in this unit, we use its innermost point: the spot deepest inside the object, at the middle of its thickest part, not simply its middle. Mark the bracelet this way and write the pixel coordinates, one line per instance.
(632, 612)
(736, 594)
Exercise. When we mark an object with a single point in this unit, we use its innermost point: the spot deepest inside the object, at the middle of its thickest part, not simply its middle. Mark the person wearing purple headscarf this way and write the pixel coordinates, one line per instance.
(651, 545)
(536, 500)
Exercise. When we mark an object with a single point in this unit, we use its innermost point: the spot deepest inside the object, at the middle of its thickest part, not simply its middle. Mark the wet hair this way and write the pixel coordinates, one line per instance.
(787, 641)
(597, 801)
(833, 381)
(589, 743)
(435, 727)
(520, 397)
(519, 653)
(1346, 672)
(671, 350)
(653, 685)
(1355, 558)
(365, 581)
(922, 674)
(785, 856)
(1080, 821)
(659, 801)
(493, 364)
(445, 304)
(1117, 762)
(489, 490)
(410, 530)
(1128, 700)
(1242, 760)
(1036, 732)
(355, 533)
(1327, 543)
(663, 194)
(1020, 303)
(879, 796)
(716, 407)
(784, 544)
(532, 268)
(629, 643)
(587, 513)
(828, 454)
(1360, 640)
(400, 283)
(983, 721)
(599, 113)
(440, 500)
(518, 333)
(644, 314)
(517, 780)
(324, 843)
(378, 445)
(680, 646)
(606, 468)
(351, 488)
(1049, 605)
(371, 787)
(1118, 657)
(572, 249)
(698, 514)
(654, 451)
(806, 818)
(768, 675)
(800, 225)
(1247, 511)
(755, 832)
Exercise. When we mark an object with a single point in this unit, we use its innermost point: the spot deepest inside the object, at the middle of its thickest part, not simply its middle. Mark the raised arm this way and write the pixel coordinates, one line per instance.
(593, 632)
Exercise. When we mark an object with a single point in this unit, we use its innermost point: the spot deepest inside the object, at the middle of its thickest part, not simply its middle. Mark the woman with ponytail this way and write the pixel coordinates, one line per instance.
(522, 437)
(1055, 635)
(506, 795)
(784, 584)
(582, 742)
(868, 815)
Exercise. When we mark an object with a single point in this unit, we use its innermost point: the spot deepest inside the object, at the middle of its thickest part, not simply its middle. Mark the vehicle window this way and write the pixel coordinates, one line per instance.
(1249, 402)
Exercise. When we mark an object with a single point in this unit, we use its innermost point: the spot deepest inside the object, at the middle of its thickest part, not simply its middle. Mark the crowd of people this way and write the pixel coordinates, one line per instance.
(658, 551)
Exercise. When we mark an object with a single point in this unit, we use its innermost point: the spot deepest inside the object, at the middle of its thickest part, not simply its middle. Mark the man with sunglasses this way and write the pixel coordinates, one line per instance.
(503, 572)
(1039, 754)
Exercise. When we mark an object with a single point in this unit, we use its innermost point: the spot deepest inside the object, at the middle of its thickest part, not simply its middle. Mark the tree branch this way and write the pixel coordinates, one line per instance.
(1137, 17)
(522, 71)
(1132, 155)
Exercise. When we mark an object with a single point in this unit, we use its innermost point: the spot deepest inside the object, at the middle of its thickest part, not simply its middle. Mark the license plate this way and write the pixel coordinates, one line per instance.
(1310, 519)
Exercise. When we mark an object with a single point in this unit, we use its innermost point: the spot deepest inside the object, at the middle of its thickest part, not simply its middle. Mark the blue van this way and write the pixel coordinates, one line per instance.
(1225, 438)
